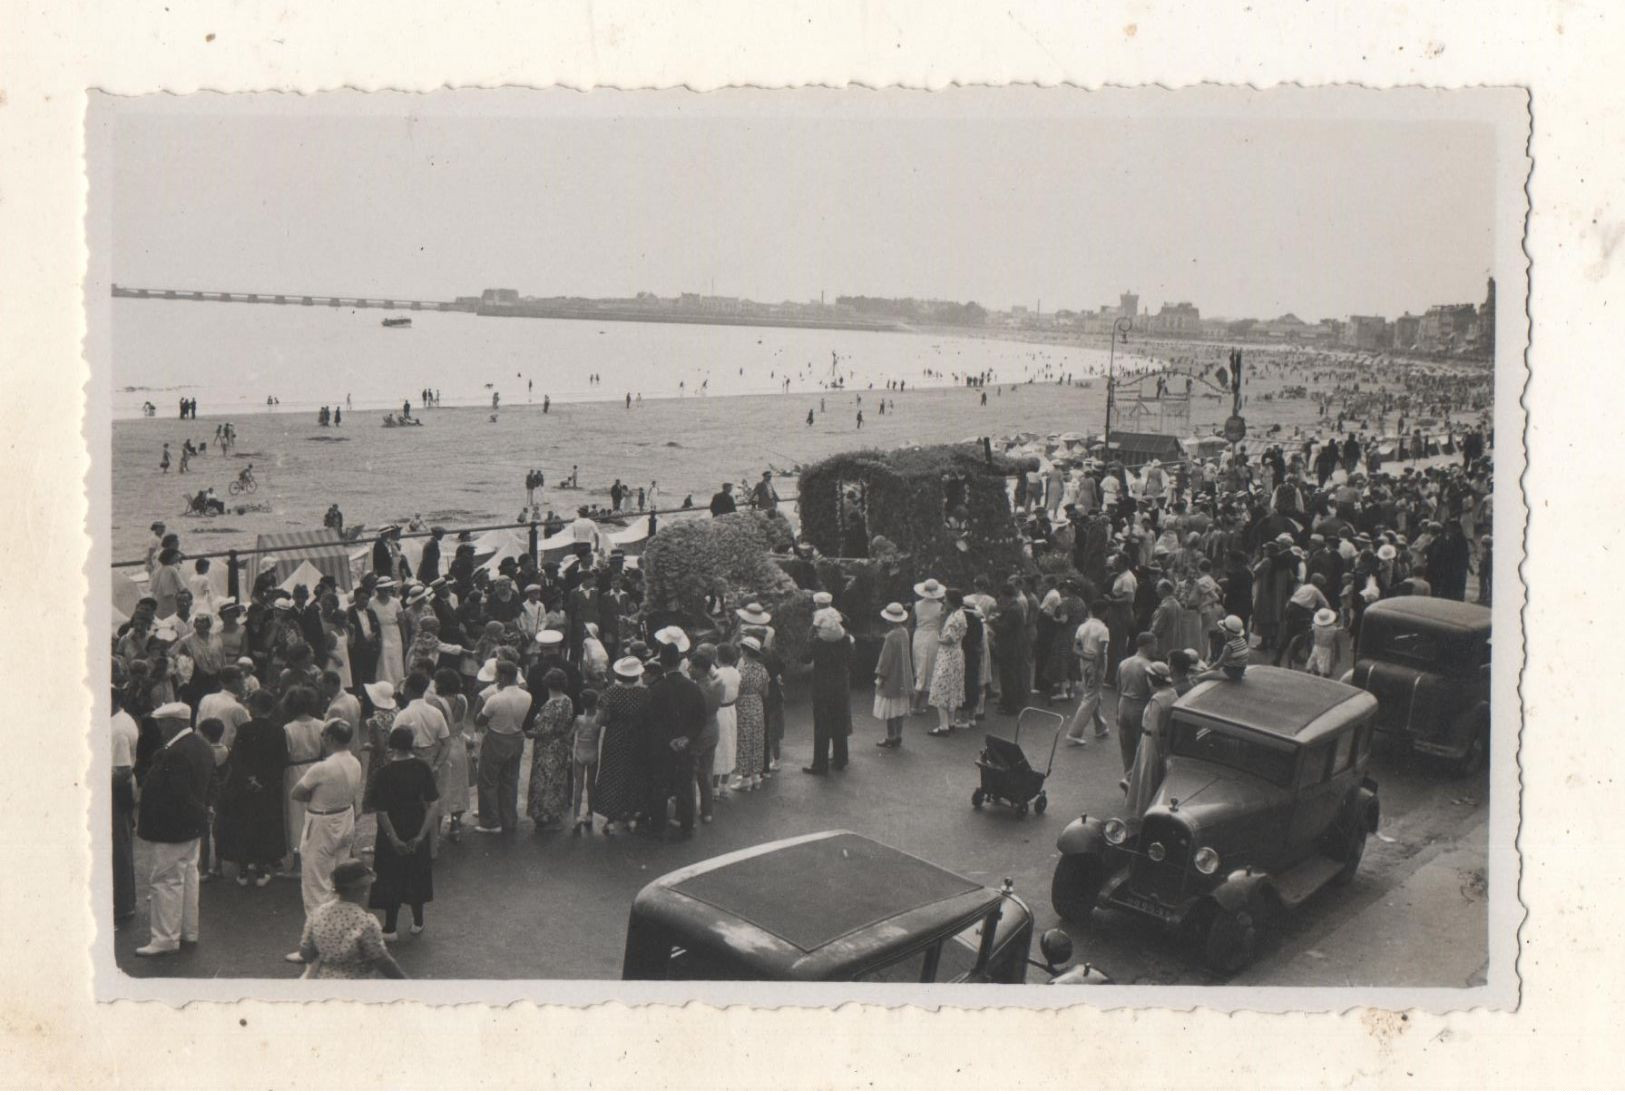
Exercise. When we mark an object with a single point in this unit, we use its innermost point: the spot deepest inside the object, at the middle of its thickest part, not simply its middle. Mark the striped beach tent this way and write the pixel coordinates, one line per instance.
(294, 548)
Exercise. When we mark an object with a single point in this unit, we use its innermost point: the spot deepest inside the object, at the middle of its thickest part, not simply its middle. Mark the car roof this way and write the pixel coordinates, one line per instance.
(1437, 611)
(813, 906)
(1282, 703)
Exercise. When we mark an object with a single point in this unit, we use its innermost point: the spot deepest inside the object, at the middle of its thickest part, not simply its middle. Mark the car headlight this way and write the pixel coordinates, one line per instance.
(1116, 832)
(1157, 852)
(1206, 860)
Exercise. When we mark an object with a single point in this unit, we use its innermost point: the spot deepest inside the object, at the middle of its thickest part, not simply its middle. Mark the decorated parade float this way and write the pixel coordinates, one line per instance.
(698, 573)
(881, 521)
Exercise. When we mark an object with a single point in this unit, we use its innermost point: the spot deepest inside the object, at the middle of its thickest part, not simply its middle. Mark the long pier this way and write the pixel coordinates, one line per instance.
(529, 309)
(296, 299)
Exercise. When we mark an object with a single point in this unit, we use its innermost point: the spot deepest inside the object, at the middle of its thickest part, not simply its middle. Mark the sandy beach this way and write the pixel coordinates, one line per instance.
(462, 468)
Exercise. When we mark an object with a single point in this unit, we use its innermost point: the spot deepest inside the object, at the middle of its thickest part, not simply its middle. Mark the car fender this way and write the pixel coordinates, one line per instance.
(1471, 721)
(1239, 888)
(1085, 836)
(1367, 808)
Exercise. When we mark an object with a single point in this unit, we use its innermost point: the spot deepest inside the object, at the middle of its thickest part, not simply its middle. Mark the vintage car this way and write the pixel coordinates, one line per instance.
(833, 906)
(1427, 660)
(1264, 800)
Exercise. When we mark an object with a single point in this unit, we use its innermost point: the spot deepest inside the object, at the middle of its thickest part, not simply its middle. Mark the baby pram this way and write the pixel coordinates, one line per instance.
(1006, 775)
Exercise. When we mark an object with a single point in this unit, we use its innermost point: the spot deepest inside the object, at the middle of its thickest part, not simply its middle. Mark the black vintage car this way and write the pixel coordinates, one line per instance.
(834, 906)
(1427, 660)
(1264, 801)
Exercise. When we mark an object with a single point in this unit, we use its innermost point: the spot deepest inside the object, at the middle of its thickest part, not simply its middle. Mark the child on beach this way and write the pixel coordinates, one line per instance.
(588, 731)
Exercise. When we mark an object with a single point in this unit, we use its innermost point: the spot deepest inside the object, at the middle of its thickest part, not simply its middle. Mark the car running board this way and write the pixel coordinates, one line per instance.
(1303, 881)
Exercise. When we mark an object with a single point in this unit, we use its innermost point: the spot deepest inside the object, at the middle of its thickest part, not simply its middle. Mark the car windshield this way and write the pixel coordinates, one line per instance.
(1271, 761)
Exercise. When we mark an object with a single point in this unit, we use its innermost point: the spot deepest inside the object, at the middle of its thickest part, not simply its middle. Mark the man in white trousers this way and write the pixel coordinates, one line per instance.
(174, 811)
(331, 790)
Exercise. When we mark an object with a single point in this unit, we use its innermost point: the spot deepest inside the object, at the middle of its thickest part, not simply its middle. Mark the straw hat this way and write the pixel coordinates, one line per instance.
(751, 642)
(931, 590)
(894, 612)
(1325, 618)
(1387, 552)
(823, 599)
(754, 613)
(628, 668)
(549, 637)
(382, 695)
(1234, 625)
(173, 710)
(267, 562)
(672, 635)
(488, 671)
(417, 597)
(1159, 671)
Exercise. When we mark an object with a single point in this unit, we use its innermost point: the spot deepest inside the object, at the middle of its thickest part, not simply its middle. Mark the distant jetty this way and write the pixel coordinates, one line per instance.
(691, 309)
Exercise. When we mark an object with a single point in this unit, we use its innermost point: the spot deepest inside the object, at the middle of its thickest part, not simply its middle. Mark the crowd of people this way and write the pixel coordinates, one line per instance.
(413, 702)
(342, 737)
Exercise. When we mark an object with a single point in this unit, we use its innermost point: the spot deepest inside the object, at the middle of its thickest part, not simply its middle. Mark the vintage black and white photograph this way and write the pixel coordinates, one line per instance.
(919, 541)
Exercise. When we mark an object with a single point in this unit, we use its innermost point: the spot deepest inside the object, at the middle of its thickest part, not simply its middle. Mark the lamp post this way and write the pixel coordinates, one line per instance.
(1119, 329)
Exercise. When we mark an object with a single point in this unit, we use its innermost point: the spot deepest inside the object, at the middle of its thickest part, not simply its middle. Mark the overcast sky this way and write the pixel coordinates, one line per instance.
(1246, 204)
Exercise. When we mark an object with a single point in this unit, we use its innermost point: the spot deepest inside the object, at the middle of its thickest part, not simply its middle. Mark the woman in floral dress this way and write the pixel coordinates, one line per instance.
(341, 938)
(618, 792)
(948, 678)
(381, 694)
(750, 712)
(548, 801)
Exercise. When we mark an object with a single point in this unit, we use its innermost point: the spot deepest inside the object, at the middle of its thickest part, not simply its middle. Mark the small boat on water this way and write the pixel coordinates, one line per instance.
(397, 321)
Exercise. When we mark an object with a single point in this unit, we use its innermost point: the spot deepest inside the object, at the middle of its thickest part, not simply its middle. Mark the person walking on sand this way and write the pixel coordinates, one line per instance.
(163, 461)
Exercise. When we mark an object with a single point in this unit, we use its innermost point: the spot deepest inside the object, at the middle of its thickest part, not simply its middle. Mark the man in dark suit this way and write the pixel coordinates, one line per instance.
(365, 641)
(387, 560)
(429, 563)
(676, 719)
(173, 814)
(550, 656)
(723, 501)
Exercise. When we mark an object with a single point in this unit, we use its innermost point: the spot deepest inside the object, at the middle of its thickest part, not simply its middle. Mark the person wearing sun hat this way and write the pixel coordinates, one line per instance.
(1145, 777)
(753, 618)
(617, 792)
(928, 616)
(1326, 649)
(894, 676)
(1236, 654)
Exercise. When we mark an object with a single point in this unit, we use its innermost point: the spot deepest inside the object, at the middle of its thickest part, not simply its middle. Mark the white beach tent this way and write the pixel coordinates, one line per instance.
(305, 574)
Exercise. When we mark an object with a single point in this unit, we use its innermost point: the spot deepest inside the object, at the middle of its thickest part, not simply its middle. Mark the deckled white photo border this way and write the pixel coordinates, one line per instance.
(1505, 111)
(1562, 1032)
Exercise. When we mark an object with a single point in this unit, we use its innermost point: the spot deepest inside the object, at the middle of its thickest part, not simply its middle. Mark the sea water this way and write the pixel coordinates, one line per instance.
(232, 357)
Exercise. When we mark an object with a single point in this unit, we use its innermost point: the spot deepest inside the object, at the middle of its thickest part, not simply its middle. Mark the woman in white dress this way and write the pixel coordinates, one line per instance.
(391, 645)
(927, 632)
(728, 728)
